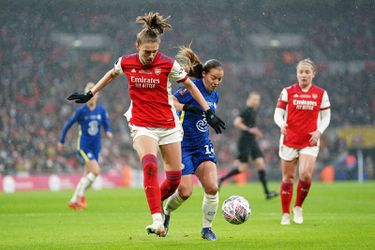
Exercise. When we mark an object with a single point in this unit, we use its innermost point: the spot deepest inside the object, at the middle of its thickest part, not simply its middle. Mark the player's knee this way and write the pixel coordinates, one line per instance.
(185, 193)
(211, 190)
(305, 176)
(288, 178)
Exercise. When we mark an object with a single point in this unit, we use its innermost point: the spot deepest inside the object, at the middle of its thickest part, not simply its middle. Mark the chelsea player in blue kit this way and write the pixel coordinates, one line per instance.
(198, 156)
(90, 118)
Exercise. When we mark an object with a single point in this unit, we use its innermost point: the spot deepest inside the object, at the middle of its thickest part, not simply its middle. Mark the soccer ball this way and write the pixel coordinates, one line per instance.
(236, 209)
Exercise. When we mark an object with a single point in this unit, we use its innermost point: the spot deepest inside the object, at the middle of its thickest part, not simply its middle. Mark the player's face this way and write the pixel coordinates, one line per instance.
(305, 75)
(213, 78)
(253, 101)
(147, 52)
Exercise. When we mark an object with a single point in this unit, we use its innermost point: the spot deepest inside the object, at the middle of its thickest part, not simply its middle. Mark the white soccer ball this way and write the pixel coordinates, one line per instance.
(236, 209)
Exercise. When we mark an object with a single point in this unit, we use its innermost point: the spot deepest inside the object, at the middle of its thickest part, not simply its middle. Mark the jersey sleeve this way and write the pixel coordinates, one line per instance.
(106, 125)
(177, 73)
(117, 67)
(183, 95)
(282, 102)
(68, 125)
(325, 102)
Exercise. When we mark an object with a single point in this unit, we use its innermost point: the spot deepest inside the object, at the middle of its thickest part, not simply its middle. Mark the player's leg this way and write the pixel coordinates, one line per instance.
(307, 165)
(261, 169)
(147, 147)
(207, 174)
(240, 164)
(288, 169)
(92, 169)
(172, 159)
(184, 191)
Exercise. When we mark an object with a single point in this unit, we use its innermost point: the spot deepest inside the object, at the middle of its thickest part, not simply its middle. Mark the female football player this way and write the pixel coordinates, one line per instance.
(90, 118)
(198, 155)
(152, 118)
(302, 113)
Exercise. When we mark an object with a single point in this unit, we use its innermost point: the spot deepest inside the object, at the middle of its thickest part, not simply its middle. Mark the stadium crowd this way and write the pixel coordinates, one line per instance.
(38, 73)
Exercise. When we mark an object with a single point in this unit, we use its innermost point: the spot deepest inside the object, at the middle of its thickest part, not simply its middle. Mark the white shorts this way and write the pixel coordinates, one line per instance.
(161, 135)
(289, 154)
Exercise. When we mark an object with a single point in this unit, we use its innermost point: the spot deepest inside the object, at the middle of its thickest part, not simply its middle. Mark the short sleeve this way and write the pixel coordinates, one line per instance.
(177, 73)
(282, 102)
(117, 67)
(325, 102)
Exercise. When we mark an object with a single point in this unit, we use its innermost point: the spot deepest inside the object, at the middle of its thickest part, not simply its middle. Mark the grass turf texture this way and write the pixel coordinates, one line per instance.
(337, 216)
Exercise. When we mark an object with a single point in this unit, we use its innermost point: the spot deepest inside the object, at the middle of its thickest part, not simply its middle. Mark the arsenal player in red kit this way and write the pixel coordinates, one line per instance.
(302, 113)
(152, 118)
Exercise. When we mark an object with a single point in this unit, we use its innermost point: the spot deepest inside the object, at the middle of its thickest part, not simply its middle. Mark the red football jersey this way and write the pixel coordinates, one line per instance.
(302, 113)
(150, 89)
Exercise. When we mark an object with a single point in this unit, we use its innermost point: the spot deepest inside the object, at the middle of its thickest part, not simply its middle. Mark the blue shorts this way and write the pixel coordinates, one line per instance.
(192, 158)
(87, 154)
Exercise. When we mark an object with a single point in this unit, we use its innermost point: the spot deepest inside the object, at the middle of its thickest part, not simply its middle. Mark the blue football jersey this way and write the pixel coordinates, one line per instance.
(89, 124)
(196, 128)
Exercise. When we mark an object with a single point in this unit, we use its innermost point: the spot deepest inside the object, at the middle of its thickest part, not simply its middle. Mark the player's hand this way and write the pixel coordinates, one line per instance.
(60, 147)
(214, 121)
(192, 109)
(256, 132)
(81, 98)
(109, 135)
(314, 138)
(283, 129)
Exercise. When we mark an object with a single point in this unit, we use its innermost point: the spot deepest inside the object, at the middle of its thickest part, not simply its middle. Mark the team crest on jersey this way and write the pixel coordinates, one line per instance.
(314, 96)
(182, 91)
(157, 71)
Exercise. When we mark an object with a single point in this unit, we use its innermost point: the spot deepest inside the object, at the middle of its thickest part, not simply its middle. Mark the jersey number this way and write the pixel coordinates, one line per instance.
(93, 128)
(209, 149)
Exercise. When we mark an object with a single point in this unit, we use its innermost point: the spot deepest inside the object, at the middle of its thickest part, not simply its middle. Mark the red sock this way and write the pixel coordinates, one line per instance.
(302, 191)
(170, 184)
(286, 193)
(150, 182)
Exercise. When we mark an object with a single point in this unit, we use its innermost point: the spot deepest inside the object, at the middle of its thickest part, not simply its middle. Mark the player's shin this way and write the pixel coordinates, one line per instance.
(86, 183)
(302, 192)
(170, 184)
(151, 186)
(209, 208)
(286, 193)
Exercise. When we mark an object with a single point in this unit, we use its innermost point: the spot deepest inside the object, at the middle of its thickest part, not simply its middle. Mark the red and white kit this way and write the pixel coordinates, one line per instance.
(303, 110)
(151, 94)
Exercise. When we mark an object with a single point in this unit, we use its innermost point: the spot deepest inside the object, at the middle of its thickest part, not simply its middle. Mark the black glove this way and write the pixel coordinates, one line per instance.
(214, 121)
(80, 98)
(192, 109)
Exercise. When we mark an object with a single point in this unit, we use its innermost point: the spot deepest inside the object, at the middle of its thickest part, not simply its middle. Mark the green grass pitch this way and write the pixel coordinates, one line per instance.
(337, 216)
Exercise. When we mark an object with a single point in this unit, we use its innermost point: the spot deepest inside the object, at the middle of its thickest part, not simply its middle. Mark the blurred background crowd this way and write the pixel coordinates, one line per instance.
(48, 52)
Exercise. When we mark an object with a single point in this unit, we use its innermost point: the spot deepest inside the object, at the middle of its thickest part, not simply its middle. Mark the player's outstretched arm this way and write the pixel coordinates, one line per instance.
(186, 107)
(214, 121)
(103, 82)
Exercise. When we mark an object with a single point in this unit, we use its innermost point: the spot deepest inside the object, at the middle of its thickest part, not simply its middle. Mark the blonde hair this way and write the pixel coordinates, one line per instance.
(310, 62)
(191, 63)
(153, 26)
(89, 86)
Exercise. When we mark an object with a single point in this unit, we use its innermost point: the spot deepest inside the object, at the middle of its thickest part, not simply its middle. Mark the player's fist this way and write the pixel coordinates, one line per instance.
(60, 146)
(192, 109)
(81, 98)
(214, 121)
(109, 135)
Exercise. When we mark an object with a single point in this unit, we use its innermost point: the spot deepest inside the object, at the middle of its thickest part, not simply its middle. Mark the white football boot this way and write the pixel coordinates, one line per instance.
(156, 228)
(285, 219)
(298, 217)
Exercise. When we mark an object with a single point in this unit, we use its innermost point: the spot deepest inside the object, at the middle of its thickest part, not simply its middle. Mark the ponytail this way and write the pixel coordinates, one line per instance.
(191, 63)
(153, 27)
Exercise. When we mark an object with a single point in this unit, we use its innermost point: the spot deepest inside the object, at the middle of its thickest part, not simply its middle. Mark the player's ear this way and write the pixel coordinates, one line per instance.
(137, 46)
